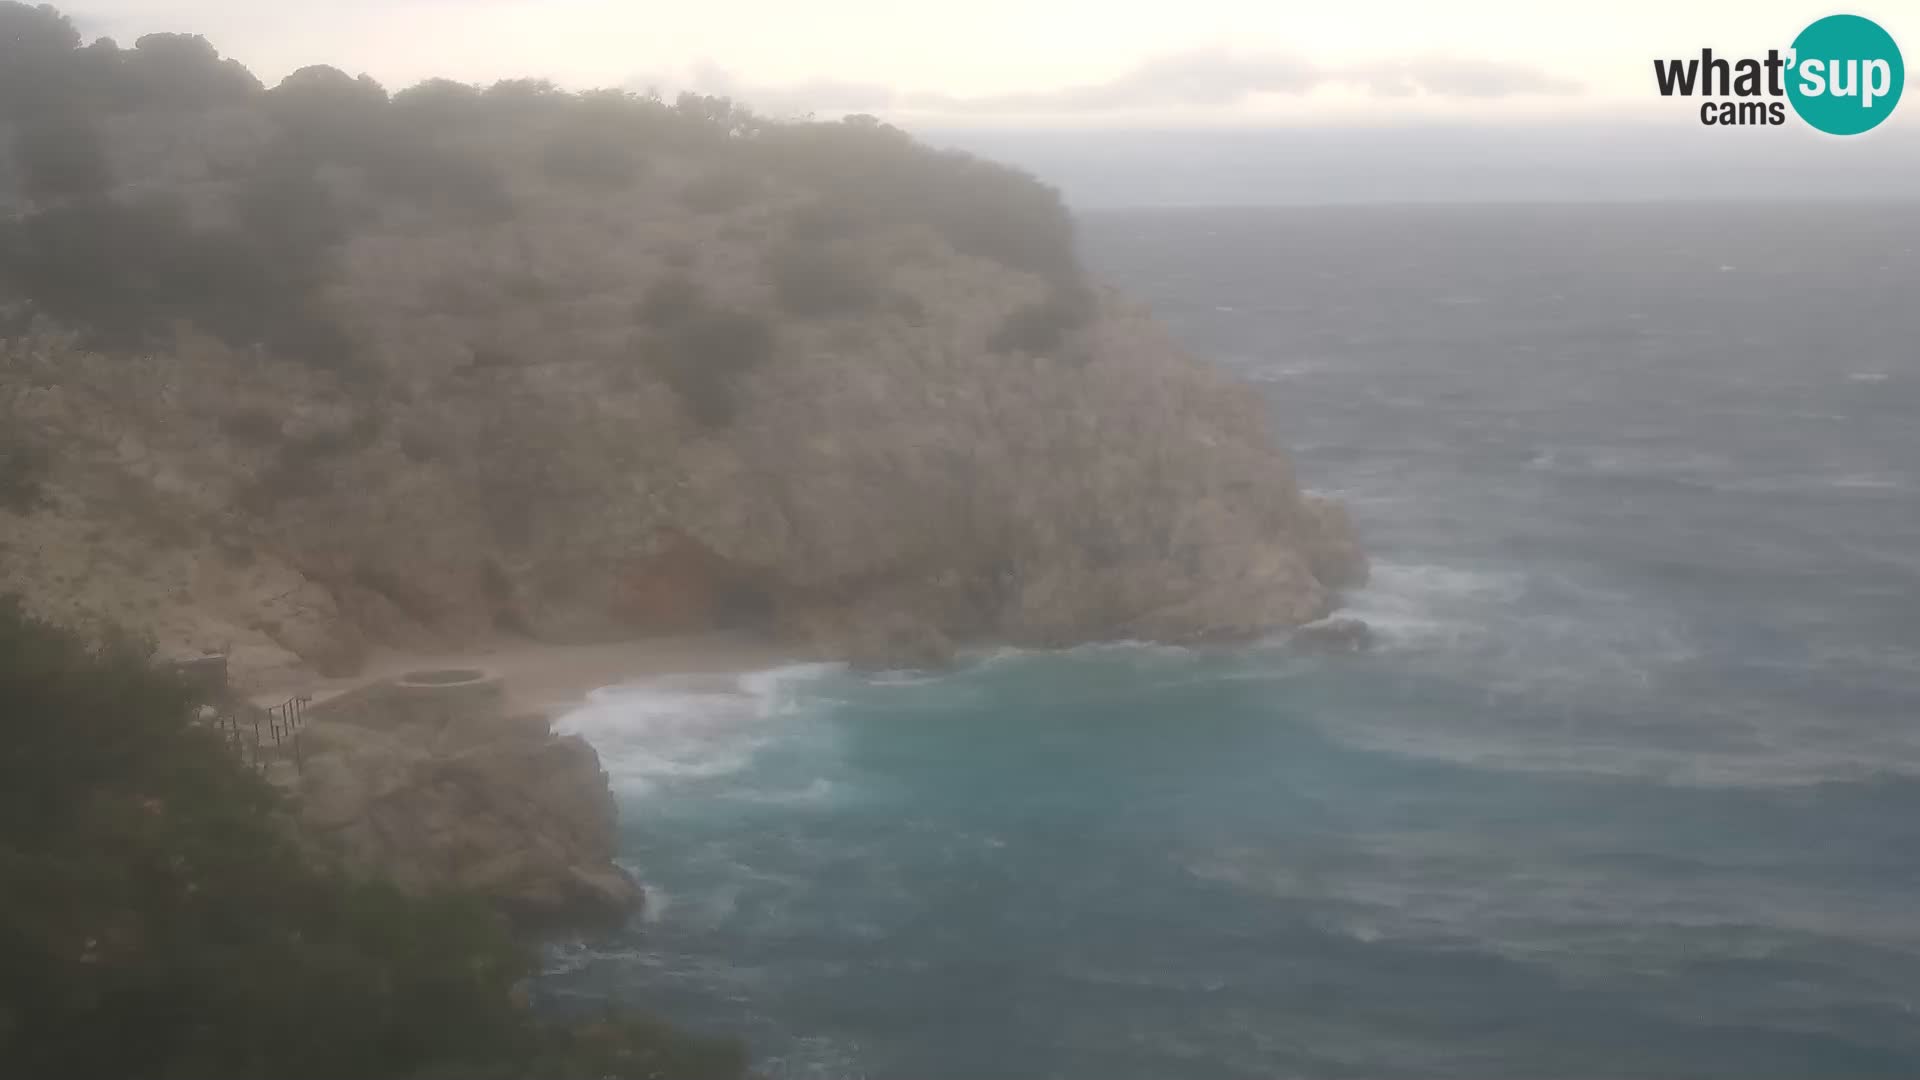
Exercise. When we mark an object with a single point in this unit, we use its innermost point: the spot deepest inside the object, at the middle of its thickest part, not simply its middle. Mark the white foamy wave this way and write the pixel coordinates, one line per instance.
(1012, 654)
(1627, 462)
(685, 728)
(820, 791)
(1867, 376)
(1867, 480)
(778, 690)
(1423, 605)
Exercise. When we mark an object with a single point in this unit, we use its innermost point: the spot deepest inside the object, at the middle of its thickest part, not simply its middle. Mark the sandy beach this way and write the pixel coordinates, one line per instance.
(551, 679)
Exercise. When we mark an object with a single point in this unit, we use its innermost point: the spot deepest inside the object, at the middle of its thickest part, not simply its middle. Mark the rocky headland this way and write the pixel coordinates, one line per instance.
(304, 374)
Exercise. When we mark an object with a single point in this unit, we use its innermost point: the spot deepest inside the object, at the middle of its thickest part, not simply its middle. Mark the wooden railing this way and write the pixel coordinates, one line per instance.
(245, 737)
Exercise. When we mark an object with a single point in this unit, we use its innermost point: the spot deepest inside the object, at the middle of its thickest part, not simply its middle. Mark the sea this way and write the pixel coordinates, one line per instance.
(1629, 786)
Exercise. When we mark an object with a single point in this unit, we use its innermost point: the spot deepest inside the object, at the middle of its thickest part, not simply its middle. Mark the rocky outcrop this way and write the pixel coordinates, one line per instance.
(592, 408)
(1341, 635)
(431, 783)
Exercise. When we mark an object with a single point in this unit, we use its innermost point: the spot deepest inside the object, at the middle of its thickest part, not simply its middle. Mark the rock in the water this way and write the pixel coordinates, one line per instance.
(1334, 636)
(443, 789)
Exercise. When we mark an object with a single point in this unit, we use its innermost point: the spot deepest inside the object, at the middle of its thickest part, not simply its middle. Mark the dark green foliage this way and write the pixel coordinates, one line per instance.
(23, 473)
(156, 920)
(703, 357)
(720, 191)
(815, 279)
(1042, 327)
(701, 351)
(442, 177)
(437, 105)
(823, 220)
(980, 207)
(590, 158)
(329, 115)
(523, 96)
(61, 158)
(128, 272)
(36, 44)
(183, 71)
(289, 215)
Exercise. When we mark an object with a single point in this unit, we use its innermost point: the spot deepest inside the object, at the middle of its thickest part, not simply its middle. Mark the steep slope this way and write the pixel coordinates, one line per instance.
(290, 372)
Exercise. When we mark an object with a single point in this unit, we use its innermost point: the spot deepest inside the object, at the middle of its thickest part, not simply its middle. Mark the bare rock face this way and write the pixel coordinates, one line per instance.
(432, 785)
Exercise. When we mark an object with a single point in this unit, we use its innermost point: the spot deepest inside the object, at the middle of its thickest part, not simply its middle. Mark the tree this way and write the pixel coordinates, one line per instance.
(61, 158)
(185, 71)
(36, 44)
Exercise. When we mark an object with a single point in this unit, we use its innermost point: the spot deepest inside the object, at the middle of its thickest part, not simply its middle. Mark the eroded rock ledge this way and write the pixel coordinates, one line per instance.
(430, 781)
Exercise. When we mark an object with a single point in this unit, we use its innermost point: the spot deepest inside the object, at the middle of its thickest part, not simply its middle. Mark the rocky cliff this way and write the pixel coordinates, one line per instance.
(430, 782)
(291, 372)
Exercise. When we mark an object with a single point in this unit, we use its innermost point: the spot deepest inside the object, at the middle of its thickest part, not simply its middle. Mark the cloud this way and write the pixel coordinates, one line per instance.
(809, 96)
(1199, 79)
(1194, 79)
(1453, 77)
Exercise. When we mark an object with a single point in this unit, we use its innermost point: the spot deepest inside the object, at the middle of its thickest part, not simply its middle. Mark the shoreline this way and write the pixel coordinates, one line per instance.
(551, 680)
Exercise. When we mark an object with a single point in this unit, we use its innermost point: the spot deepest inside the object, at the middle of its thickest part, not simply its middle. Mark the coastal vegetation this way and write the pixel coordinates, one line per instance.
(158, 919)
(93, 244)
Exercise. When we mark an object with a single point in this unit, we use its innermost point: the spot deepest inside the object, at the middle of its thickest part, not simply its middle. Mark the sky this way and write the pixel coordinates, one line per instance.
(1569, 73)
(1117, 61)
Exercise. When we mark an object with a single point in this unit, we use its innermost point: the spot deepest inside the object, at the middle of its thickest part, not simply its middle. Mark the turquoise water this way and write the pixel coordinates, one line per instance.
(1630, 788)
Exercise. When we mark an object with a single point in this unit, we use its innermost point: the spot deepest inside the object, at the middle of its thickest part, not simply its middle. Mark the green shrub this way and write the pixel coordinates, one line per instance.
(590, 158)
(980, 207)
(703, 359)
(824, 220)
(127, 273)
(720, 191)
(436, 105)
(61, 158)
(820, 279)
(1042, 327)
(23, 473)
(183, 71)
(157, 920)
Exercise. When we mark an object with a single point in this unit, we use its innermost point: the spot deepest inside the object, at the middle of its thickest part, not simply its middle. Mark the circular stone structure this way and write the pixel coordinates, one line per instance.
(473, 698)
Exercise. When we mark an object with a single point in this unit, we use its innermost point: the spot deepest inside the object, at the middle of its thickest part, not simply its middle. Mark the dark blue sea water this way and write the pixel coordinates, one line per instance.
(1630, 789)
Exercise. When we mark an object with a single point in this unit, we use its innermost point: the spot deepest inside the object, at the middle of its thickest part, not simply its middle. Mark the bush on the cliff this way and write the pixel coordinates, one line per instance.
(61, 159)
(1042, 327)
(982, 208)
(587, 157)
(156, 920)
(719, 191)
(23, 473)
(249, 258)
(704, 357)
(816, 278)
(127, 273)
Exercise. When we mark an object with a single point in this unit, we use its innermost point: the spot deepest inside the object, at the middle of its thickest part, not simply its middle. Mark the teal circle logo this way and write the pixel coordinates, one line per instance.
(1847, 75)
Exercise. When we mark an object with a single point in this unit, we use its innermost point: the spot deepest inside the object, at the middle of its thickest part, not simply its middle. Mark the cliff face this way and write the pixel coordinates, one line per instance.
(805, 376)
(433, 785)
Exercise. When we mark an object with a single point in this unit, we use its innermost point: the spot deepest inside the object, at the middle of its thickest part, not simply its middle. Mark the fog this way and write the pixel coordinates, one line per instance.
(1452, 163)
